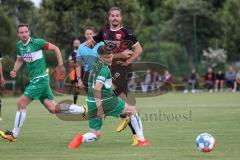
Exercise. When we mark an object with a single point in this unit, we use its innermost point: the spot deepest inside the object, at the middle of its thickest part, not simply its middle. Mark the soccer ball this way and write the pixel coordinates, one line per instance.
(205, 142)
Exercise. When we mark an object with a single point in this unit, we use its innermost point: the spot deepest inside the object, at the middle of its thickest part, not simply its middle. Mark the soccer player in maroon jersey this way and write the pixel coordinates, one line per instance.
(126, 49)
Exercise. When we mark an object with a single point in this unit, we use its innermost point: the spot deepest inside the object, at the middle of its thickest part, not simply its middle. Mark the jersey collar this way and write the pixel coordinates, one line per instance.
(116, 29)
(25, 44)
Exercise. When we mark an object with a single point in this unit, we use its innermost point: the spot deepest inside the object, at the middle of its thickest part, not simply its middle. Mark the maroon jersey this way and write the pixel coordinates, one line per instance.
(210, 76)
(119, 40)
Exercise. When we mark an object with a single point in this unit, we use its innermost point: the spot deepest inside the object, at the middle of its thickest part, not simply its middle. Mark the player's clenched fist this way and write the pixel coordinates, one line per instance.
(90, 43)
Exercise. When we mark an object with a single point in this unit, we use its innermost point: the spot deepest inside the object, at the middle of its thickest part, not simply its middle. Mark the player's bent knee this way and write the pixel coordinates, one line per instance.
(21, 105)
(130, 110)
(134, 110)
(23, 102)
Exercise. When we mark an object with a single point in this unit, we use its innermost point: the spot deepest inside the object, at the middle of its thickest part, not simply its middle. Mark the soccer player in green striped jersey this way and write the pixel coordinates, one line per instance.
(102, 102)
(31, 51)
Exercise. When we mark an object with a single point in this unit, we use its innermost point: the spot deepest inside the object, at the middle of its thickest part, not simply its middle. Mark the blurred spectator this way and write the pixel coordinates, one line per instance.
(147, 81)
(230, 77)
(209, 79)
(72, 58)
(192, 81)
(155, 81)
(237, 82)
(219, 82)
(167, 77)
(132, 84)
(73, 55)
(2, 81)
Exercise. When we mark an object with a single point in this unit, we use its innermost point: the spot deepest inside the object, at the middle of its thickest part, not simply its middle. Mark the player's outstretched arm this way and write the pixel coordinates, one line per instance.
(17, 65)
(57, 52)
(78, 73)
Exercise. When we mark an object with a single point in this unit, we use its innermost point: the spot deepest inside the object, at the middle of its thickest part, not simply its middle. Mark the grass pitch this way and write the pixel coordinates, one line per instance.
(171, 123)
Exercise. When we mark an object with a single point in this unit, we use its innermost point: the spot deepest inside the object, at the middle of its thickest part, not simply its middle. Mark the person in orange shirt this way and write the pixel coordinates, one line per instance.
(72, 58)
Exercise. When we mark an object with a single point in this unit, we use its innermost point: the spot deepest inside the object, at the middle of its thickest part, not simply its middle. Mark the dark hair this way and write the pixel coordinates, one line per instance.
(104, 50)
(113, 9)
(90, 28)
(22, 25)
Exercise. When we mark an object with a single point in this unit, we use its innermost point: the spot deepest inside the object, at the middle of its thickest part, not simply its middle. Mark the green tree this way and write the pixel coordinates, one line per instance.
(19, 10)
(61, 21)
(7, 38)
(180, 28)
(231, 32)
(13, 12)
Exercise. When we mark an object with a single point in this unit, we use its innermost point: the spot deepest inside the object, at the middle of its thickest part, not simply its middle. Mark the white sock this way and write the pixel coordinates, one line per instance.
(89, 137)
(137, 125)
(75, 109)
(19, 119)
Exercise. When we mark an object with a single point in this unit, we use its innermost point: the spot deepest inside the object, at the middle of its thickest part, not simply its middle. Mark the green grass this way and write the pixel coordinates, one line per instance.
(44, 136)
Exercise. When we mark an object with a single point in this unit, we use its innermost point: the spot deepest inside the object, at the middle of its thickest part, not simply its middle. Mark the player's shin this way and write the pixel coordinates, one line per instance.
(137, 125)
(19, 119)
(79, 139)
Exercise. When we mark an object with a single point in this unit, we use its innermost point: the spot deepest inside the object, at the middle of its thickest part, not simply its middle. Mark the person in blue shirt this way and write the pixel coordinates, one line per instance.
(86, 57)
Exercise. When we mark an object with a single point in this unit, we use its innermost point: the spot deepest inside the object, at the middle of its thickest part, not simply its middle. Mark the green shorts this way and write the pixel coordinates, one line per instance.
(112, 107)
(39, 89)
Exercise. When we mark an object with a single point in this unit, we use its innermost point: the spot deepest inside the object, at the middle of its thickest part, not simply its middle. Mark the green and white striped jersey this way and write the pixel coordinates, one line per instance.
(33, 55)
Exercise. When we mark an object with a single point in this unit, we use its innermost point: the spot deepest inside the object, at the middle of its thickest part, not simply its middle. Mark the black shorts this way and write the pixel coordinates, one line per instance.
(120, 77)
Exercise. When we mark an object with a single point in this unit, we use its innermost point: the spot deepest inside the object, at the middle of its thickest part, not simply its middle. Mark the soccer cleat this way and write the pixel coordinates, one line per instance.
(8, 135)
(135, 140)
(1, 133)
(143, 143)
(76, 142)
(123, 124)
(85, 114)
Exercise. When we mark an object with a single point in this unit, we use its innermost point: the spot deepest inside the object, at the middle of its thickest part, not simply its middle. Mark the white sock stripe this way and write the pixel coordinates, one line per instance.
(135, 115)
